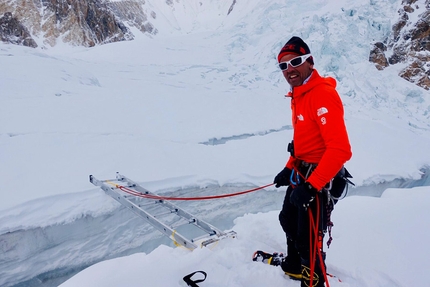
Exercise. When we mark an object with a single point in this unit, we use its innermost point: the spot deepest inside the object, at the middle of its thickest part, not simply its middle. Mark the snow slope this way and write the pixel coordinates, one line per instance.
(200, 110)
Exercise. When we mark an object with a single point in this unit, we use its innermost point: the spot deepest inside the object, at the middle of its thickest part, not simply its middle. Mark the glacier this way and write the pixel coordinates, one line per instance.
(158, 107)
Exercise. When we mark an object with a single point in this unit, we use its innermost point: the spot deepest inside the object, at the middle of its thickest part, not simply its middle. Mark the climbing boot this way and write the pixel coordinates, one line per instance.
(292, 268)
(291, 264)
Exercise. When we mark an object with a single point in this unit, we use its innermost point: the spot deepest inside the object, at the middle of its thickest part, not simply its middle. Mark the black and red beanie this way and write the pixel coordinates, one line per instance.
(295, 46)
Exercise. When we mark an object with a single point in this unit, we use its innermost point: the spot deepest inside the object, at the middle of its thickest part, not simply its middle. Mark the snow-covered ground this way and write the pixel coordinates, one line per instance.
(377, 242)
(200, 109)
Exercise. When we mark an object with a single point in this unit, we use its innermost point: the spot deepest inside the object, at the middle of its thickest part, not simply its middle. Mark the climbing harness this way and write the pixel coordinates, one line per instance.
(334, 190)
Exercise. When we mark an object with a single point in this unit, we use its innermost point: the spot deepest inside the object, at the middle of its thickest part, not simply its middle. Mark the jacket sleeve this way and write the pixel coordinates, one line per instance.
(327, 111)
(290, 163)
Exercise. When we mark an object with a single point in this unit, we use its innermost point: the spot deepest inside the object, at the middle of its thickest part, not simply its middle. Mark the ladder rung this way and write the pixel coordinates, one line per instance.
(202, 237)
(181, 222)
(166, 213)
(146, 204)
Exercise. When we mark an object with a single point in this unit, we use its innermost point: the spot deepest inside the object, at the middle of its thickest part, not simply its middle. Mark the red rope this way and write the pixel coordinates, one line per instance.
(313, 250)
(313, 243)
(158, 197)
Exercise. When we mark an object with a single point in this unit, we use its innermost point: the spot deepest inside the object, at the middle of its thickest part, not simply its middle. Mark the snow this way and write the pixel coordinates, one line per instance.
(148, 108)
(367, 250)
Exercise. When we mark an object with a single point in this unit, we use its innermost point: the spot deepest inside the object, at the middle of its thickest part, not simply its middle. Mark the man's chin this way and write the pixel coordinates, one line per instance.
(295, 82)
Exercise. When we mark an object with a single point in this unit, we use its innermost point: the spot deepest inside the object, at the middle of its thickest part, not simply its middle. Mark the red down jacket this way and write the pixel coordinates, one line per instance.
(320, 135)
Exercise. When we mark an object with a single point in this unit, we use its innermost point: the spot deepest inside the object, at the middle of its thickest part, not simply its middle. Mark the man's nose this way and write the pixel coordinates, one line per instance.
(289, 68)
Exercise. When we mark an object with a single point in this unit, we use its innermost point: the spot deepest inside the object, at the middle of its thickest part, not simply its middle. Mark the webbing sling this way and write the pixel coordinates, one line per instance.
(193, 283)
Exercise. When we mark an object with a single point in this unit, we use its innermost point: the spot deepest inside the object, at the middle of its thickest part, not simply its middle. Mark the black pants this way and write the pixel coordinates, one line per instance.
(295, 222)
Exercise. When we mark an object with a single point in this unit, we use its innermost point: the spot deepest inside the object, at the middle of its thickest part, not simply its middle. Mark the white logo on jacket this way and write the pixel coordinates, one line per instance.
(300, 117)
(321, 111)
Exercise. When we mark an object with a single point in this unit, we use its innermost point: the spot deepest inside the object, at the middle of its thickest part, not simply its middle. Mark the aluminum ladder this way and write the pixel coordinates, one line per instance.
(173, 216)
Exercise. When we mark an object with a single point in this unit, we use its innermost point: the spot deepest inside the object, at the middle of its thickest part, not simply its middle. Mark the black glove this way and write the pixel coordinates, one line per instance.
(283, 178)
(303, 195)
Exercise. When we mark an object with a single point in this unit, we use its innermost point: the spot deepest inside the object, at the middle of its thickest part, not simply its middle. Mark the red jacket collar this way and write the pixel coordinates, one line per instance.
(315, 79)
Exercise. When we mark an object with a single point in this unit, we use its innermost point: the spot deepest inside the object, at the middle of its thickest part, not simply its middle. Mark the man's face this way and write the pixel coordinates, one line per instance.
(296, 76)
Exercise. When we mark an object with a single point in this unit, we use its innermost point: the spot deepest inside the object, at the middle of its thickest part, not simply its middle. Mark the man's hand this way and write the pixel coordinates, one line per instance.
(303, 195)
(283, 178)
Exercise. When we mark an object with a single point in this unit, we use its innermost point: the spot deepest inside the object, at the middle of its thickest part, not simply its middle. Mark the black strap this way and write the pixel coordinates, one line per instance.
(193, 283)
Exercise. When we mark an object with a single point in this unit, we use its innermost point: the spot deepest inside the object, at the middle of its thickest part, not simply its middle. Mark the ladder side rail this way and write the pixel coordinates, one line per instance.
(160, 226)
(192, 219)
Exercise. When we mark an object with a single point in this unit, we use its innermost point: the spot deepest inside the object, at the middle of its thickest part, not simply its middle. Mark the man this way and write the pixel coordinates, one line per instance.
(319, 149)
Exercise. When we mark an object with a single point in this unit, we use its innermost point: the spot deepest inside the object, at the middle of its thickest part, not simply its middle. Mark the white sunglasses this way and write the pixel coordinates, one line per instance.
(294, 62)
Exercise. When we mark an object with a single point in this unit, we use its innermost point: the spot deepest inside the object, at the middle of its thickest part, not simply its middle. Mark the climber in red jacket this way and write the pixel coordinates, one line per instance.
(315, 169)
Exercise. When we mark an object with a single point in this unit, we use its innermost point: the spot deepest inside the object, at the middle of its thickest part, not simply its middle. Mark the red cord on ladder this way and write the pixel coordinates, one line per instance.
(151, 196)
